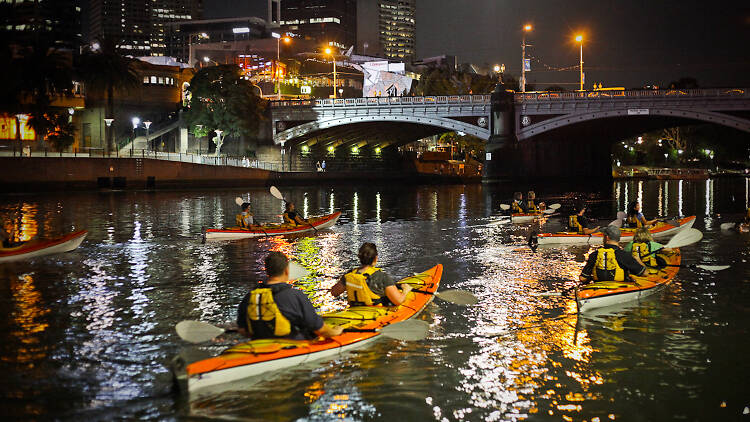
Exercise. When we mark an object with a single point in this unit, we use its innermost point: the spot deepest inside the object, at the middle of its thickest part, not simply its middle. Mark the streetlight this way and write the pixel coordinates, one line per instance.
(136, 121)
(107, 130)
(579, 39)
(147, 123)
(526, 28)
(278, 59)
(329, 51)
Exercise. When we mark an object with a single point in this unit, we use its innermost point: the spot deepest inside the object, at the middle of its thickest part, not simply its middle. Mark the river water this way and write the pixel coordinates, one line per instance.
(88, 335)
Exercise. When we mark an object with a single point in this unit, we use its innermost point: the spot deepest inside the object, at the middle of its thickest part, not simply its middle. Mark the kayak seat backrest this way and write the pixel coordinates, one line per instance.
(357, 314)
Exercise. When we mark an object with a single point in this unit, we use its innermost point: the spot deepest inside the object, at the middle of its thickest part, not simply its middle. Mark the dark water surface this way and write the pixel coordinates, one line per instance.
(88, 335)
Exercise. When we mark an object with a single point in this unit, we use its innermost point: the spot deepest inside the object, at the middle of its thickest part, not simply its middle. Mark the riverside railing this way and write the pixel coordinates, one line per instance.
(385, 101)
(154, 155)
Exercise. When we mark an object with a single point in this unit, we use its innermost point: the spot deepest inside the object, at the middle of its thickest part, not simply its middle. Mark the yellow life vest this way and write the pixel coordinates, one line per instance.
(264, 319)
(240, 220)
(606, 267)
(574, 225)
(640, 250)
(532, 207)
(516, 208)
(357, 290)
(633, 221)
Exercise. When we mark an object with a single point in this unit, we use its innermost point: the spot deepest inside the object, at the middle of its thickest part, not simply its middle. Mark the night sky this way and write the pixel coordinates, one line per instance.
(627, 43)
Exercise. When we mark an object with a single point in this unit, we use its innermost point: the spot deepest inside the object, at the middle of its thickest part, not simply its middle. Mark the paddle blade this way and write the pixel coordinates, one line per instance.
(621, 215)
(409, 330)
(545, 294)
(617, 223)
(712, 267)
(727, 226)
(459, 297)
(549, 211)
(684, 238)
(555, 206)
(504, 207)
(238, 201)
(275, 192)
(297, 271)
(197, 331)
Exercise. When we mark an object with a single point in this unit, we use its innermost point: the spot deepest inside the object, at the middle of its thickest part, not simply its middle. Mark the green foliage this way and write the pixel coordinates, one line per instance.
(221, 99)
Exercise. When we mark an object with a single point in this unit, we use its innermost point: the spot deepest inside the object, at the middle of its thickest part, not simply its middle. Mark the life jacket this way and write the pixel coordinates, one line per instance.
(606, 267)
(633, 221)
(643, 251)
(574, 225)
(516, 208)
(264, 319)
(240, 220)
(357, 290)
(532, 207)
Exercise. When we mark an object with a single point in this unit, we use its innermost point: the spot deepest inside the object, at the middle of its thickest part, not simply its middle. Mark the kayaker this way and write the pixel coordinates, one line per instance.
(579, 223)
(276, 309)
(635, 217)
(610, 262)
(245, 218)
(368, 285)
(518, 206)
(642, 246)
(291, 216)
(531, 205)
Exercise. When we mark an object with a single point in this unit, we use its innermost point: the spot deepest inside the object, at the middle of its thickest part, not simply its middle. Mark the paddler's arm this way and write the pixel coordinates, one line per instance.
(629, 264)
(397, 296)
(338, 288)
(586, 273)
(329, 331)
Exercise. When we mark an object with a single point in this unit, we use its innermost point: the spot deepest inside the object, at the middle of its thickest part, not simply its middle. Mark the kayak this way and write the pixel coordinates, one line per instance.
(319, 223)
(608, 293)
(34, 248)
(660, 229)
(526, 218)
(258, 356)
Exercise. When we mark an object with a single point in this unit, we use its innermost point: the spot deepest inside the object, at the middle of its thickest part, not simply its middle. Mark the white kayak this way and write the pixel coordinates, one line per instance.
(661, 229)
(35, 248)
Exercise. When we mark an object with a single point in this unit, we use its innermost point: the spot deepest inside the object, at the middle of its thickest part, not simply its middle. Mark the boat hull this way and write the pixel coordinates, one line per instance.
(525, 218)
(568, 238)
(319, 223)
(248, 359)
(33, 249)
(605, 294)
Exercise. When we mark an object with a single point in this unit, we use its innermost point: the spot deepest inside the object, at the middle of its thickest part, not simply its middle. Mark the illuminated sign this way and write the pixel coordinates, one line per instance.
(304, 89)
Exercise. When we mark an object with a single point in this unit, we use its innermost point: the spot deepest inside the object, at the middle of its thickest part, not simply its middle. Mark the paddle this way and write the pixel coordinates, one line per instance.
(459, 297)
(409, 330)
(683, 238)
(728, 226)
(277, 194)
(702, 267)
(552, 208)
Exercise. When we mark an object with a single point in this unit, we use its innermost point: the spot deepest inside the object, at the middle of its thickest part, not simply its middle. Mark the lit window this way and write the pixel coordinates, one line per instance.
(161, 80)
(145, 79)
(153, 79)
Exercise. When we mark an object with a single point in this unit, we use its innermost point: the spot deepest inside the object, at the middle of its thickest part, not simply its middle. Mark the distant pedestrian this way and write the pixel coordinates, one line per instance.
(323, 165)
(318, 167)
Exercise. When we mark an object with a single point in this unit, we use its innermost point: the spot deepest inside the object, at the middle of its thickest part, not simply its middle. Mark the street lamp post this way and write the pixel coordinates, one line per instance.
(579, 38)
(136, 121)
(278, 60)
(108, 131)
(333, 58)
(147, 123)
(526, 29)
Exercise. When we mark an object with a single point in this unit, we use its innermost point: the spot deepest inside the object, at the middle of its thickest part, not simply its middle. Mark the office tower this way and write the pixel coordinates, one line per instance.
(29, 22)
(322, 21)
(386, 28)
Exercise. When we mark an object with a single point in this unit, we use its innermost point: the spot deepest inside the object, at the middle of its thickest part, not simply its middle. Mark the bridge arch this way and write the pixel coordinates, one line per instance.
(551, 124)
(299, 131)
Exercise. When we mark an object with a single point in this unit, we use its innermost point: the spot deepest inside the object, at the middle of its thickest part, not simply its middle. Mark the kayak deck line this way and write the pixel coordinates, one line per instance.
(594, 296)
(254, 357)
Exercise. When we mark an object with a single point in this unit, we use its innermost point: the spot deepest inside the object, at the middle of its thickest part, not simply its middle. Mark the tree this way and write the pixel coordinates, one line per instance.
(222, 100)
(675, 136)
(104, 71)
(58, 129)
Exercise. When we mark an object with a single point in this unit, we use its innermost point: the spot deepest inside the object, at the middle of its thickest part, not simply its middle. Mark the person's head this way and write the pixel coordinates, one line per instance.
(531, 195)
(518, 196)
(277, 264)
(634, 208)
(580, 208)
(290, 206)
(611, 234)
(368, 254)
(245, 206)
(642, 235)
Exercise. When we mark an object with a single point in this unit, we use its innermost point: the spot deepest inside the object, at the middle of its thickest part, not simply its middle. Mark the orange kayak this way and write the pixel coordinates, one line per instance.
(258, 356)
(316, 223)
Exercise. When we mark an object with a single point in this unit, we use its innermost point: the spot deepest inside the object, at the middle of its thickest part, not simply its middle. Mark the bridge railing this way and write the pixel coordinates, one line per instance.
(385, 101)
(623, 93)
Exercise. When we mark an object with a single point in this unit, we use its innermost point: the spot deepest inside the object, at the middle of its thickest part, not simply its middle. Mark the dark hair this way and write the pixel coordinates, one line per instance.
(276, 263)
(245, 205)
(367, 253)
(289, 206)
(518, 196)
(580, 205)
(631, 208)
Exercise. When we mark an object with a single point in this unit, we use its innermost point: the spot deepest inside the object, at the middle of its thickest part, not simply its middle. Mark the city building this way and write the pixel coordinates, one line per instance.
(218, 39)
(30, 22)
(140, 28)
(332, 22)
(386, 28)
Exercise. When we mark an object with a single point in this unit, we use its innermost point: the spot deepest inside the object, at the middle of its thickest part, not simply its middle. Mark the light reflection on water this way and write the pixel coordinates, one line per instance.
(97, 324)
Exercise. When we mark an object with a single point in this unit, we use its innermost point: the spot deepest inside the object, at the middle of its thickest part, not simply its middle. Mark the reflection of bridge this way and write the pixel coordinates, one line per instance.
(507, 119)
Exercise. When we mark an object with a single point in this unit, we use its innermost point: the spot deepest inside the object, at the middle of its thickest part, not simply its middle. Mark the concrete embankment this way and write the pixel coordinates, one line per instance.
(29, 174)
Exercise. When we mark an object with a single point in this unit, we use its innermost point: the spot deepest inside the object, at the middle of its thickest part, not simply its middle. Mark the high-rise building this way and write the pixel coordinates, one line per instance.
(140, 27)
(386, 28)
(323, 21)
(28, 22)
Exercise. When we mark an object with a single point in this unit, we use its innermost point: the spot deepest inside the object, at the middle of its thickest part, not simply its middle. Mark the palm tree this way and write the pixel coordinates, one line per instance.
(104, 71)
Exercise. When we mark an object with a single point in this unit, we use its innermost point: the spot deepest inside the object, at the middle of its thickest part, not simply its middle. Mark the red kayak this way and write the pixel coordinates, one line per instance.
(34, 248)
